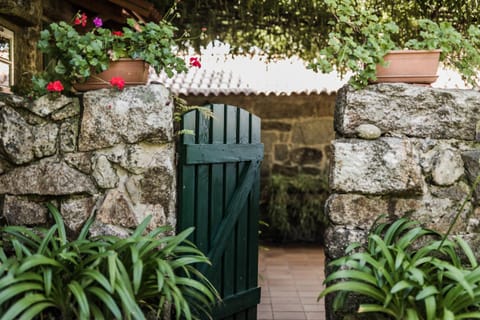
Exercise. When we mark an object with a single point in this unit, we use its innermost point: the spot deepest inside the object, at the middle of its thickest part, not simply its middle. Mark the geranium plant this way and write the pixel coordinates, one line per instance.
(361, 36)
(84, 47)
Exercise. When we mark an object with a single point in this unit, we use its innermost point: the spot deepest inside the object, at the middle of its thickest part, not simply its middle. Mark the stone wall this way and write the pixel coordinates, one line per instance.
(296, 130)
(107, 152)
(403, 150)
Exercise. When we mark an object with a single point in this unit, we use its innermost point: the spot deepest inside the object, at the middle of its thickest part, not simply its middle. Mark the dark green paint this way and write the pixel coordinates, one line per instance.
(219, 195)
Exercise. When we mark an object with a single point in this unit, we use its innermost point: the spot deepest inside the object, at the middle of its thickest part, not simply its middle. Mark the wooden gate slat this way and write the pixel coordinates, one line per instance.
(229, 262)
(222, 162)
(217, 186)
(221, 153)
(202, 186)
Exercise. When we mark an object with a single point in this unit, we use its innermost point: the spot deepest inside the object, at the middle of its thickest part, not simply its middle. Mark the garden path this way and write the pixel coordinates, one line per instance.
(291, 277)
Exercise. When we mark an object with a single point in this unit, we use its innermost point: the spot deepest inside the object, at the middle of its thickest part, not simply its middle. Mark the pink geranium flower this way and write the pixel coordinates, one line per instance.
(97, 22)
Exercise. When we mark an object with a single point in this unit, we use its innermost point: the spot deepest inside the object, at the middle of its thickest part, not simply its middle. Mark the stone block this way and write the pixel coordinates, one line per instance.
(139, 113)
(313, 131)
(23, 211)
(414, 111)
(281, 152)
(49, 176)
(382, 166)
(306, 156)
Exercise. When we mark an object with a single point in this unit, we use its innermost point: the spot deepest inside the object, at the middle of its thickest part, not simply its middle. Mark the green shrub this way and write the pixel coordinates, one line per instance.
(408, 272)
(295, 207)
(44, 275)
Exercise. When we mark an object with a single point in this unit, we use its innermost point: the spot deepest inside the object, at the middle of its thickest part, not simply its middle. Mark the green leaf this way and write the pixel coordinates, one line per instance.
(19, 288)
(426, 292)
(58, 218)
(81, 299)
(35, 310)
(354, 286)
(23, 304)
(107, 299)
(365, 308)
(37, 260)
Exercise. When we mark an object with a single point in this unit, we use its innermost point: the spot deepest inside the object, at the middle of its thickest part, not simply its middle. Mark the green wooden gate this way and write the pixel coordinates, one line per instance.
(219, 195)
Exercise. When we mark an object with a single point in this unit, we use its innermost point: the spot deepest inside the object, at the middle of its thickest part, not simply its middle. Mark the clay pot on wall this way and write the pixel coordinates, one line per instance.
(134, 72)
(410, 66)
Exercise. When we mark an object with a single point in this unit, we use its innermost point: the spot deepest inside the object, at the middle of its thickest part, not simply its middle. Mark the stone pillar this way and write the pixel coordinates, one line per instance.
(112, 155)
(402, 150)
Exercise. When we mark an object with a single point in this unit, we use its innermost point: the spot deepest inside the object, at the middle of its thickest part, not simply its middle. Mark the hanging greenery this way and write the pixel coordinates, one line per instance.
(300, 27)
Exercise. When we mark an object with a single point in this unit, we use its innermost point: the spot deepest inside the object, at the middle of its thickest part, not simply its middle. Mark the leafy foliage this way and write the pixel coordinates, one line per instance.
(73, 56)
(300, 27)
(409, 272)
(45, 275)
(361, 37)
(294, 207)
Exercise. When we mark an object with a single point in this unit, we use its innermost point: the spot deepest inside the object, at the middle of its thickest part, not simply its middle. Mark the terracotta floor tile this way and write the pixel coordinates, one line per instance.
(264, 315)
(282, 307)
(314, 307)
(315, 315)
(291, 278)
(286, 300)
(289, 316)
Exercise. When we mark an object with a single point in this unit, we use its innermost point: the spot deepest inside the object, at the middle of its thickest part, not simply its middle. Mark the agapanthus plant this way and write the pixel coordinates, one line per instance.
(84, 47)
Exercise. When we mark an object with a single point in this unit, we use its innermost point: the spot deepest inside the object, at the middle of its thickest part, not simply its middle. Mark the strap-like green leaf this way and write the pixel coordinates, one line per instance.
(37, 260)
(81, 298)
(107, 299)
(18, 307)
(35, 310)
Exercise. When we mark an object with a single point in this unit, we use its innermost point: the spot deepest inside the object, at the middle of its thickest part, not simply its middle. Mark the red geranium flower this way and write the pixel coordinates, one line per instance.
(194, 62)
(55, 86)
(117, 33)
(81, 19)
(117, 82)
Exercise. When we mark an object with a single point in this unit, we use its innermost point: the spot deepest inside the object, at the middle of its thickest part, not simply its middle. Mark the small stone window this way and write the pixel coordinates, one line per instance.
(6, 59)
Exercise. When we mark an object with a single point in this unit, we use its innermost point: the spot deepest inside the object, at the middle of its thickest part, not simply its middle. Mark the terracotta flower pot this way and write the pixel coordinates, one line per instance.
(410, 66)
(134, 72)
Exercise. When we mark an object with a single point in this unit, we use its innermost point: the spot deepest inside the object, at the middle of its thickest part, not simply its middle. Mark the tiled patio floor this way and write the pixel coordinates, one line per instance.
(291, 278)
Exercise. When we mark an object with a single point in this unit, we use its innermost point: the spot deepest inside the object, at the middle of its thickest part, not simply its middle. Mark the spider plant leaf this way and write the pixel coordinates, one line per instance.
(21, 305)
(86, 227)
(137, 275)
(107, 300)
(355, 286)
(365, 308)
(468, 315)
(448, 315)
(37, 260)
(128, 302)
(47, 281)
(426, 292)
(35, 310)
(430, 307)
(352, 274)
(19, 288)
(401, 285)
(142, 226)
(99, 278)
(81, 298)
(96, 312)
(467, 250)
(47, 239)
(112, 268)
(412, 314)
(59, 222)
(385, 251)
